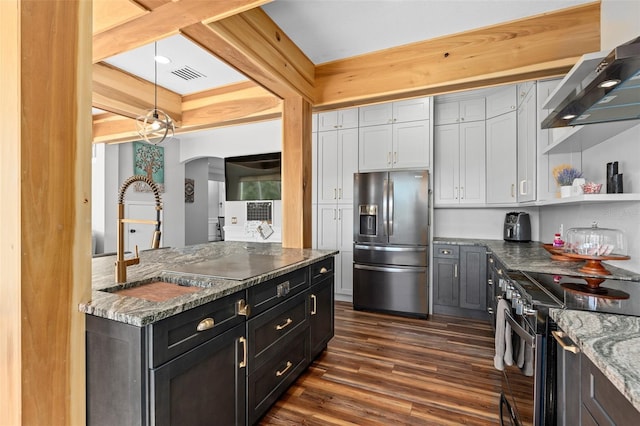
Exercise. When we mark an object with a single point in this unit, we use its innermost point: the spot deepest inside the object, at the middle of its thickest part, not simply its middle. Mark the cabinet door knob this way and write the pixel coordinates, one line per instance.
(205, 324)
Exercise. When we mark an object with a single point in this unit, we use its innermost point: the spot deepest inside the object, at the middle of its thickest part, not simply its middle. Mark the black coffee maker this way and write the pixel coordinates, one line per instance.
(517, 227)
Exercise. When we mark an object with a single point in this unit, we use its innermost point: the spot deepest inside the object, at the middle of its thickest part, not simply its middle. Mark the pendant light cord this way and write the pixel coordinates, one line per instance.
(155, 78)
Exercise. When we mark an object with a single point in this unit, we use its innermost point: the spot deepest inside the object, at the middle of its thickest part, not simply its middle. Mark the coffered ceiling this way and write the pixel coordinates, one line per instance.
(237, 58)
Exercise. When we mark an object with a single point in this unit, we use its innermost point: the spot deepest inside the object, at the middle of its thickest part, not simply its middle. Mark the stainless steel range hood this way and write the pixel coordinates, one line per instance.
(585, 95)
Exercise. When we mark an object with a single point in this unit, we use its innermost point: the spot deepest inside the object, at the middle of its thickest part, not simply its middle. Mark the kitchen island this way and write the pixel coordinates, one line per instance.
(211, 331)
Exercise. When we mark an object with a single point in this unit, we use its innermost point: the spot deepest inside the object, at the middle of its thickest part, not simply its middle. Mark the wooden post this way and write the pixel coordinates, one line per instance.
(45, 182)
(296, 173)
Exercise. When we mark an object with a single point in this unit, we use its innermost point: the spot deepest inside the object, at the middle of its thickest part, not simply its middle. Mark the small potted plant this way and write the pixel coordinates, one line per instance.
(564, 175)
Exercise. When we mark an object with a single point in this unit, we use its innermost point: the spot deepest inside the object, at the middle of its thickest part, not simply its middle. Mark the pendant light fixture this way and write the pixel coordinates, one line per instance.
(155, 126)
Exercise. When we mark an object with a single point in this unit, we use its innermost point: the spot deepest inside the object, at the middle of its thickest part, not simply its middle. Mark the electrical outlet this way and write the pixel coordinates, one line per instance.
(561, 230)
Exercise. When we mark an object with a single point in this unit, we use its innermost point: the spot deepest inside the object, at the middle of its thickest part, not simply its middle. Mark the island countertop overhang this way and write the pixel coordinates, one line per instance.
(164, 264)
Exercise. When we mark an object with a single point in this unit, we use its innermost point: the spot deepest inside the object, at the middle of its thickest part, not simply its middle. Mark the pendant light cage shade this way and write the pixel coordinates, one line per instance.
(155, 126)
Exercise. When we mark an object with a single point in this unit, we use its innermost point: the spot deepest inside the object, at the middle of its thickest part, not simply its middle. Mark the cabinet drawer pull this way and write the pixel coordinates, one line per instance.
(560, 336)
(205, 324)
(314, 310)
(243, 363)
(323, 270)
(280, 373)
(445, 251)
(286, 324)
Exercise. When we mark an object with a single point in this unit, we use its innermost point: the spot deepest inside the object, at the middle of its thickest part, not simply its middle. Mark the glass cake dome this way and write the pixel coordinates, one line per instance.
(596, 242)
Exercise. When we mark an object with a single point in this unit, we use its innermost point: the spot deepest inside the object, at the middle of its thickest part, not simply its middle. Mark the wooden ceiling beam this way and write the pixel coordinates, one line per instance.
(127, 95)
(165, 20)
(536, 47)
(238, 103)
(254, 45)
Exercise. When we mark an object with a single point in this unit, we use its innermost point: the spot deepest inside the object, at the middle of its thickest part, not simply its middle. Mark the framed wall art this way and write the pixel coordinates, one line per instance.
(189, 186)
(148, 160)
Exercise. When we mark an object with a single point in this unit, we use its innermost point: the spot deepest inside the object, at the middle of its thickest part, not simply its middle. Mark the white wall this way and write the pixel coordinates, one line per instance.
(197, 213)
(484, 223)
(98, 197)
(248, 139)
(619, 22)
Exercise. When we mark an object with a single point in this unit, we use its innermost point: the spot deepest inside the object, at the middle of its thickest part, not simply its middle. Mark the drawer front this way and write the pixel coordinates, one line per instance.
(265, 295)
(266, 332)
(321, 270)
(178, 334)
(270, 381)
(445, 251)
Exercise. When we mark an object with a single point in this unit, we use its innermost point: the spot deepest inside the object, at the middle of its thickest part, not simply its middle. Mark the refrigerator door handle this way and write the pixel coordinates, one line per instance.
(385, 207)
(388, 248)
(390, 218)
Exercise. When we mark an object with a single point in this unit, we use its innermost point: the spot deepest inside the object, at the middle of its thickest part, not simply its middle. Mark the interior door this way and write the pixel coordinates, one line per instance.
(138, 233)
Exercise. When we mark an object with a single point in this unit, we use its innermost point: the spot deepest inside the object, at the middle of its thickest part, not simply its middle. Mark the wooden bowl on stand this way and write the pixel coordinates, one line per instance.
(557, 253)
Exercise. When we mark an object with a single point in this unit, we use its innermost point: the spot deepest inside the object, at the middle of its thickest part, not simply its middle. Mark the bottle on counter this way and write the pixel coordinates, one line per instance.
(557, 241)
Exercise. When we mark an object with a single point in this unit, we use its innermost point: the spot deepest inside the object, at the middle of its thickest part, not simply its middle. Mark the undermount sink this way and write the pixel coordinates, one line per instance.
(153, 289)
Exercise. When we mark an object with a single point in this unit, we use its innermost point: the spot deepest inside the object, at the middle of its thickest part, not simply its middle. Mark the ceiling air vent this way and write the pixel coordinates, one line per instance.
(187, 73)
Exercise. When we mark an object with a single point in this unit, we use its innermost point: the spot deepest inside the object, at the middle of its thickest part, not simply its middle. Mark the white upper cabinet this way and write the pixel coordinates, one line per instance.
(501, 158)
(337, 162)
(502, 101)
(527, 153)
(459, 170)
(452, 112)
(339, 119)
(395, 112)
(394, 146)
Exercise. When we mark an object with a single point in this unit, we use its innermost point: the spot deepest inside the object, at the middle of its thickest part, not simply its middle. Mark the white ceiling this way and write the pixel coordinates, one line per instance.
(326, 30)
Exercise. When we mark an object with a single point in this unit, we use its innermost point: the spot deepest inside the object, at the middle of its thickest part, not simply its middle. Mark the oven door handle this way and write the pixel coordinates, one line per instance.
(517, 328)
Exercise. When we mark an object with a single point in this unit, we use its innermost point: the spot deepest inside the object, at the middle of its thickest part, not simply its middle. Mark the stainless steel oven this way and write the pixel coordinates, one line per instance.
(526, 385)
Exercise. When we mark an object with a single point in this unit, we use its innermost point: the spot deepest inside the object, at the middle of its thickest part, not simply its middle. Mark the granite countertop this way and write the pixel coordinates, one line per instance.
(611, 342)
(249, 264)
(532, 257)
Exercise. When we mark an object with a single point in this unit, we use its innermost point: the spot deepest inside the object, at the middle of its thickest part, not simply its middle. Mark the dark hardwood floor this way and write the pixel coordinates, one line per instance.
(389, 370)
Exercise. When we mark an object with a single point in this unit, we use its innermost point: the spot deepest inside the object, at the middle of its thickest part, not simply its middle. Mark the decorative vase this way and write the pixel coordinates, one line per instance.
(565, 191)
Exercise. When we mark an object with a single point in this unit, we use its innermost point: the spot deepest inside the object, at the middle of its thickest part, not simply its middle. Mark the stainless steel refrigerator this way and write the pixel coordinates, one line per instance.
(391, 242)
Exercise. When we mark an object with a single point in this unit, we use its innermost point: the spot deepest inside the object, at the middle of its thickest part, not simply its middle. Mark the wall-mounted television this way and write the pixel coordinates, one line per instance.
(253, 177)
